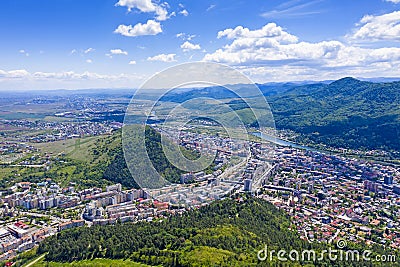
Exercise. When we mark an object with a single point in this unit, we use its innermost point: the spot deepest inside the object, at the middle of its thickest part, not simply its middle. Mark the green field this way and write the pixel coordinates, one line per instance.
(78, 149)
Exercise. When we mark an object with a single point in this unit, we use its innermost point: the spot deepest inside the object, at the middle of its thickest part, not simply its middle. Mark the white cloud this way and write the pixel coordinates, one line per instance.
(293, 8)
(132, 62)
(210, 7)
(142, 5)
(276, 53)
(270, 30)
(184, 12)
(162, 13)
(16, 74)
(73, 51)
(186, 46)
(22, 51)
(146, 6)
(185, 36)
(88, 50)
(118, 52)
(163, 58)
(253, 50)
(393, 1)
(151, 27)
(89, 61)
(375, 28)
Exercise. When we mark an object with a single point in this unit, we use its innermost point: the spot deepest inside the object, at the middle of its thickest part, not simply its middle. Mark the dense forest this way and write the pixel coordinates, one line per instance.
(229, 232)
(117, 171)
(345, 113)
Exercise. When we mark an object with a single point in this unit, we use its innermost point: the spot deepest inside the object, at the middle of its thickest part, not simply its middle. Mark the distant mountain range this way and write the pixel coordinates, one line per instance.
(343, 113)
(354, 113)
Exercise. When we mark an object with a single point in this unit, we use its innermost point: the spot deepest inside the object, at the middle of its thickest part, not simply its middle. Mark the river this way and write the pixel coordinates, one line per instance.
(281, 142)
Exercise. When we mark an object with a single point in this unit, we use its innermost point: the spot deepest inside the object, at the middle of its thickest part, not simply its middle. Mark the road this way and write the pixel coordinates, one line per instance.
(44, 215)
(35, 260)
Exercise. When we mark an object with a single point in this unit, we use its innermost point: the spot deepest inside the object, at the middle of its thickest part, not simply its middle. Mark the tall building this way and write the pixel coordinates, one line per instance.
(311, 187)
(187, 177)
(371, 186)
(388, 180)
(247, 185)
(115, 187)
(396, 189)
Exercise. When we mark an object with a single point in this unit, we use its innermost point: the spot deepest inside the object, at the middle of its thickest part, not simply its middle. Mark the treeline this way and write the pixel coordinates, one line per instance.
(225, 233)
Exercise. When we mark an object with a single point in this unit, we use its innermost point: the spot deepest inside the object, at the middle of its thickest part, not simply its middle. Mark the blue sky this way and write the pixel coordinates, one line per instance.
(47, 44)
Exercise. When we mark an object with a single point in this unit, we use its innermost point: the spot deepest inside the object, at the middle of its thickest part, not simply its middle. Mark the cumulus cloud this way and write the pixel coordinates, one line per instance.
(393, 1)
(151, 27)
(184, 12)
(146, 6)
(186, 46)
(270, 30)
(132, 62)
(89, 61)
(118, 52)
(163, 58)
(376, 28)
(273, 51)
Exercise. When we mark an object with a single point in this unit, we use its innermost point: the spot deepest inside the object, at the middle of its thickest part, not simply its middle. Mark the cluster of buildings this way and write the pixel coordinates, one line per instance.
(44, 195)
(328, 196)
(12, 151)
(18, 236)
(59, 130)
(331, 196)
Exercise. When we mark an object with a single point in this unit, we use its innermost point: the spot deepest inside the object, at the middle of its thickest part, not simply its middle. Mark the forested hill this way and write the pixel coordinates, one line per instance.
(118, 172)
(344, 113)
(225, 233)
(98, 161)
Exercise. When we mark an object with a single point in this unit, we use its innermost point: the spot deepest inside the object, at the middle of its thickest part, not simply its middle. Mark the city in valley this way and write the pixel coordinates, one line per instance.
(328, 194)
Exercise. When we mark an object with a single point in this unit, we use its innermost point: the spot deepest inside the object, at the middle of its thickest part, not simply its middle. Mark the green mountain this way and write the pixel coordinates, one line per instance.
(94, 162)
(345, 113)
(117, 170)
(225, 233)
